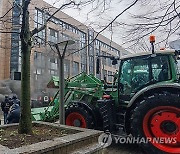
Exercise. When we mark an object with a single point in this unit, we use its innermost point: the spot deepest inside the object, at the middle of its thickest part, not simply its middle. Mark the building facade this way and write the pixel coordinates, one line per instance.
(80, 57)
(5, 38)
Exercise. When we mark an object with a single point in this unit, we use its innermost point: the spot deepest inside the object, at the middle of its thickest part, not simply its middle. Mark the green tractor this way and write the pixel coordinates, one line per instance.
(148, 100)
(143, 101)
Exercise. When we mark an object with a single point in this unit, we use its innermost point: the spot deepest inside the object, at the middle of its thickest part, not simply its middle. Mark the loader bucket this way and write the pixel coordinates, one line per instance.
(38, 113)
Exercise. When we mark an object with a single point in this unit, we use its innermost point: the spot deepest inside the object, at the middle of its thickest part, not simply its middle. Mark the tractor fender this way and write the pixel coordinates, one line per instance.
(147, 91)
(153, 88)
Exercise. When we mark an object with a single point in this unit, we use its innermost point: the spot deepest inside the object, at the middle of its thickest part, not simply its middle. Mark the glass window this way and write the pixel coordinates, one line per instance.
(161, 68)
(38, 22)
(134, 74)
(103, 59)
(109, 62)
(109, 76)
(178, 66)
(83, 67)
(39, 60)
(138, 72)
(91, 60)
(37, 56)
(75, 68)
(66, 68)
(97, 51)
(53, 35)
(52, 60)
(40, 17)
(38, 71)
(52, 72)
(53, 63)
(91, 69)
(104, 73)
(52, 32)
(60, 23)
(125, 77)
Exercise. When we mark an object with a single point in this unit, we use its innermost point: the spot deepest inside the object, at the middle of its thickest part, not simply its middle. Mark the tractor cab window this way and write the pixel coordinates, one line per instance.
(138, 72)
(178, 66)
(126, 75)
(160, 68)
(134, 74)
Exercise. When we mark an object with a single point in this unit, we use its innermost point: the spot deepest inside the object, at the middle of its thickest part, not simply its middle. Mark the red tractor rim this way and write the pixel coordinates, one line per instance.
(163, 122)
(75, 116)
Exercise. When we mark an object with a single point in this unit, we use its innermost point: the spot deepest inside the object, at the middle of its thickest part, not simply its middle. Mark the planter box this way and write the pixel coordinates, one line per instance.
(84, 141)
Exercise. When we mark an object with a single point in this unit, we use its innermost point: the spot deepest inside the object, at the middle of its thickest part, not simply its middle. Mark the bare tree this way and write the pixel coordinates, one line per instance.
(25, 124)
(161, 18)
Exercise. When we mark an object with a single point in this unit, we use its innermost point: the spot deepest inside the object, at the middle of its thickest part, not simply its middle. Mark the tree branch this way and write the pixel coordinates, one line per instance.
(106, 26)
(36, 30)
(7, 12)
(9, 32)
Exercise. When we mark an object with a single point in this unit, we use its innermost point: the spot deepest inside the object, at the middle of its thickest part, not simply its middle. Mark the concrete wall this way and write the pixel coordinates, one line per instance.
(85, 141)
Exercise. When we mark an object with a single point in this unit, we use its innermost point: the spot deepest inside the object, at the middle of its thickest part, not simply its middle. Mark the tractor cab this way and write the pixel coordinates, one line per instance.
(141, 70)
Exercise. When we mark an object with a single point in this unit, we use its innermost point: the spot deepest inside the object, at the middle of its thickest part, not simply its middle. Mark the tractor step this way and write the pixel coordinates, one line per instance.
(104, 114)
(106, 108)
(119, 127)
(120, 116)
(119, 130)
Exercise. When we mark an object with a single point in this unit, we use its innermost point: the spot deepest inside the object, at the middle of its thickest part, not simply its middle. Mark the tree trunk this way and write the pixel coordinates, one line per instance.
(25, 124)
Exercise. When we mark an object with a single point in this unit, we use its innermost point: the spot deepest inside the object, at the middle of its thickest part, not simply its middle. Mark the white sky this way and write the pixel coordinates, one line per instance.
(94, 20)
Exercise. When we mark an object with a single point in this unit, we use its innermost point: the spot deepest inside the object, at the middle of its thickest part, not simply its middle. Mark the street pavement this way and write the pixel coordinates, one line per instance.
(124, 149)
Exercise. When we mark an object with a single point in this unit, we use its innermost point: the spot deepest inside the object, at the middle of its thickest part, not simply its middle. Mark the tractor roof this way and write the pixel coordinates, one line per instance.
(148, 53)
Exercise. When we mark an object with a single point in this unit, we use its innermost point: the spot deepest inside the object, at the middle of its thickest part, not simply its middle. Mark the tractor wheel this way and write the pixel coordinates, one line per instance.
(157, 120)
(78, 116)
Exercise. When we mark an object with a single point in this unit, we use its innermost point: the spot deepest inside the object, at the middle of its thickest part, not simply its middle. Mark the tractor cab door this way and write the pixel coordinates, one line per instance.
(139, 72)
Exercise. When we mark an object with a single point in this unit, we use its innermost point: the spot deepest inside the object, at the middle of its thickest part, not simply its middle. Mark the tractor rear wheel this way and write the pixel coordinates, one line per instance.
(157, 120)
(78, 116)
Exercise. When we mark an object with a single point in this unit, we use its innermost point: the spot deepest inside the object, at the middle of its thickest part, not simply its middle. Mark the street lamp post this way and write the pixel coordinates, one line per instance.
(61, 78)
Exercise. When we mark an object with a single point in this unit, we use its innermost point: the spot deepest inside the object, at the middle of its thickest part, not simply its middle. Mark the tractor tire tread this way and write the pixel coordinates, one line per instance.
(136, 114)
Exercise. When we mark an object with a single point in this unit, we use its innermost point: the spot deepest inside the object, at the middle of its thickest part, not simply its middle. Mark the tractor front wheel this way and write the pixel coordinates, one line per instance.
(157, 120)
(78, 116)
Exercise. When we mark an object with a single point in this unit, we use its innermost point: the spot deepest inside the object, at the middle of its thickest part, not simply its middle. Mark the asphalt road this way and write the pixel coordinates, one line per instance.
(124, 149)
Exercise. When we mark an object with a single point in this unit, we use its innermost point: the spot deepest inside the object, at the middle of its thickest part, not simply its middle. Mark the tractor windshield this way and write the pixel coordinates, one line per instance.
(139, 71)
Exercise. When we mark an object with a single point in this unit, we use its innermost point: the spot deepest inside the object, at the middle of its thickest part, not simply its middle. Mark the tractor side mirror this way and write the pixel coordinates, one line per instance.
(97, 66)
